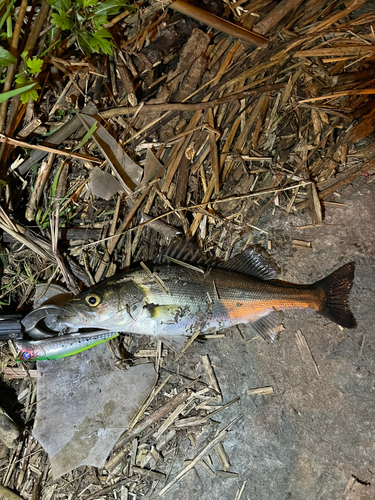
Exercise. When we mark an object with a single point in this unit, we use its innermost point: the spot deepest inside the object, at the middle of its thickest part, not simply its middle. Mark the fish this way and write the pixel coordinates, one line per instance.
(59, 346)
(178, 297)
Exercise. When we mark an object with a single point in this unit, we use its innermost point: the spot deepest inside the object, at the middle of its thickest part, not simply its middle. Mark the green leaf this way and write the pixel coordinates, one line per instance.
(30, 94)
(88, 3)
(99, 21)
(28, 89)
(7, 95)
(110, 7)
(6, 58)
(102, 33)
(35, 65)
(22, 80)
(98, 42)
(84, 40)
(60, 5)
(61, 20)
(3, 261)
(9, 27)
(87, 136)
(6, 16)
(38, 216)
(56, 180)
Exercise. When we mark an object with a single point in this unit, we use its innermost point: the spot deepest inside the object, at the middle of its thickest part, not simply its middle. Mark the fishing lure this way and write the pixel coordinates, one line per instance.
(59, 346)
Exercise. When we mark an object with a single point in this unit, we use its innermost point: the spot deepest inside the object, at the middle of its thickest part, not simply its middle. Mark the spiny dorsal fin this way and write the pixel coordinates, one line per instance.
(247, 262)
(184, 251)
(251, 263)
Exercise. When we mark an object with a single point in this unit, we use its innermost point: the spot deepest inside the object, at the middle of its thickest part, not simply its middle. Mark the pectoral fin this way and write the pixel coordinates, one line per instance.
(167, 314)
(169, 318)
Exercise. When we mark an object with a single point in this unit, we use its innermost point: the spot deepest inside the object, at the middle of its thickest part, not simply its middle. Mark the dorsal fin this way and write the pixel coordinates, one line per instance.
(251, 263)
(184, 251)
(247, 262)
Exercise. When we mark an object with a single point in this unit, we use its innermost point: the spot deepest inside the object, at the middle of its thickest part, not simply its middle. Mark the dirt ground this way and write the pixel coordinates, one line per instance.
(314, 437)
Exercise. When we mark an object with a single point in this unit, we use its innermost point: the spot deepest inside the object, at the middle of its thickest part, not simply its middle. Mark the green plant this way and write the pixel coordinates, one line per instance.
(86, 20)
(6, 58)
(32, 67)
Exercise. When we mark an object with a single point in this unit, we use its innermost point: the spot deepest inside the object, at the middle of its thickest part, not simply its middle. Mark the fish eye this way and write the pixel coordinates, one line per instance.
(93, 299)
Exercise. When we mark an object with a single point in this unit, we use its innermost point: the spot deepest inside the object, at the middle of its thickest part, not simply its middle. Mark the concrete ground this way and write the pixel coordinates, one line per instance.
(314, 438)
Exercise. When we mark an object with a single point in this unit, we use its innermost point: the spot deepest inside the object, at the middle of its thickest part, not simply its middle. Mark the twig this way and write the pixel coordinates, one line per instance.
(200, 455)
(188, 344)
(168, 407)
(277, 13)
(304, 350)
(107, 489)
(186, 106)
(222, 200)
(40, 182)
(40, 147)
(219, 23)
(149, 401)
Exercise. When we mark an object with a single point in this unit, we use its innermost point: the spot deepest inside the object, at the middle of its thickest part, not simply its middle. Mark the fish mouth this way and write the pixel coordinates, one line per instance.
(72, 317)
(76, 321)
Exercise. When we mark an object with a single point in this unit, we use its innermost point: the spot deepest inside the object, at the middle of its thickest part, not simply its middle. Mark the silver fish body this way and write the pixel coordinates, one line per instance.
(173, 300)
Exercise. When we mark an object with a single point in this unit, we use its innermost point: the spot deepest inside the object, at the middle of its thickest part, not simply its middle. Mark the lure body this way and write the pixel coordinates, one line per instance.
(173, 300)
(60, 346)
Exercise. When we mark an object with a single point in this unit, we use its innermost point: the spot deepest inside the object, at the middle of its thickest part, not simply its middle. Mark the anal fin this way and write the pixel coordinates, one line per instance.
(266, 327)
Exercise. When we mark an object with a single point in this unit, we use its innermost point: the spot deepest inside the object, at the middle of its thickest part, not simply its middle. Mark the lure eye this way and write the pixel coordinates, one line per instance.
(26, 355)
(93, 299)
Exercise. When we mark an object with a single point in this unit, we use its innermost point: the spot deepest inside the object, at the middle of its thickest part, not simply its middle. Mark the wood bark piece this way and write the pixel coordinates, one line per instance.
(219, 23)
(8, 430)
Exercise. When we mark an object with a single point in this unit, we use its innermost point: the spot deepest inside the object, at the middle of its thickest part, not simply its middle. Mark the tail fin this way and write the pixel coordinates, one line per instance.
(336, 288)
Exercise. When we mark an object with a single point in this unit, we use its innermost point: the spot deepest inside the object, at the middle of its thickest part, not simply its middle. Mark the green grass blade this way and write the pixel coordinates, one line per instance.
(87, 136)
(4, 96)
